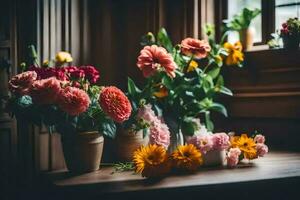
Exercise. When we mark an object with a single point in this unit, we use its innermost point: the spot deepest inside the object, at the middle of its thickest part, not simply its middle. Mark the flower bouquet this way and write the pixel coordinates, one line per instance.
(290, 33)
(182, 84)
(68, 100)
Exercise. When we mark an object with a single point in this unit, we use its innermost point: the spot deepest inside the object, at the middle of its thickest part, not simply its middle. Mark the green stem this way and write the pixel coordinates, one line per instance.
(188, 64)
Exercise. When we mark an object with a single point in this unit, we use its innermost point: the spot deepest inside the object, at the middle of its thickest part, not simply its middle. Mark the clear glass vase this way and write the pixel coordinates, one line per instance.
(176, 134)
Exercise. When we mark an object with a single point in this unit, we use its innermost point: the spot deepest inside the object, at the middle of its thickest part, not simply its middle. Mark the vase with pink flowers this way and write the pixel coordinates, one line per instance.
(68, 99)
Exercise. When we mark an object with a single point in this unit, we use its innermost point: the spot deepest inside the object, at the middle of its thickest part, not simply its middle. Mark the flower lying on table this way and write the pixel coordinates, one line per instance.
(154, 161)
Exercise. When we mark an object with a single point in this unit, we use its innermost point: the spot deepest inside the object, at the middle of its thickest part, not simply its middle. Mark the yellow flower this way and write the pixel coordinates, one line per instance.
(219, 59)
(151, 161)
(45, 63)
(187, 157)
(162, 91)
(235, 54)
(63, 57)
(246, 145)
(192, 66)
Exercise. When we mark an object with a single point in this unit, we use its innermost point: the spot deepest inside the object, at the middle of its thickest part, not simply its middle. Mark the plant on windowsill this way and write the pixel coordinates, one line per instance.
(241, 23)
(67, 99)
(290, 33)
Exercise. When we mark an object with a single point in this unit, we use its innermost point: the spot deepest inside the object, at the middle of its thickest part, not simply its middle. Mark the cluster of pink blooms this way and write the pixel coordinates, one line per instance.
(261, 148)
(205, 143)
(159, 131)
(233, 157)
(154, 58)
(194, 47)
(21, 83)
(68, 73)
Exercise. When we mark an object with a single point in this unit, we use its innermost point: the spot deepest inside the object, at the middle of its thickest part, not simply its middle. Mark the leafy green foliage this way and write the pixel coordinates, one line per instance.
(241, 20)
(164, 40)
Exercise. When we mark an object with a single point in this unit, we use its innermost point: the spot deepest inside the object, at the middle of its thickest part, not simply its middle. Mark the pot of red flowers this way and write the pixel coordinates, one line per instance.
(290, 33)
(68, 100)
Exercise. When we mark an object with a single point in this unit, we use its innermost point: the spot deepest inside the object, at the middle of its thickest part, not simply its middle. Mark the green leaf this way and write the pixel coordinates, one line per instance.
(214, 72)
(108, 128)
(133, 90)
(220, 81)
(219, 108)
(225, 90)
(164, 40)
(209, 124)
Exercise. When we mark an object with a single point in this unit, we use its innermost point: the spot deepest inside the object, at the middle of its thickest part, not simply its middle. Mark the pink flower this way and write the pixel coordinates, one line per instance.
(146, 113)
(195, 47)
(21, 83)
(203, 143)
(153, 58)
(259, 139)
(261, 149)
(91, 73)
(45, 91)
(233, 157)
(77, 74)
(73, 101)
(220, 141)
(115, 104)
(159, 134)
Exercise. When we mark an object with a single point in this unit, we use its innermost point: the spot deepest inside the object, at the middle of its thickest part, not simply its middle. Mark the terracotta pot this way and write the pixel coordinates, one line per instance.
(214, 158)
(247, 38)
(83, 152)
(127, 142)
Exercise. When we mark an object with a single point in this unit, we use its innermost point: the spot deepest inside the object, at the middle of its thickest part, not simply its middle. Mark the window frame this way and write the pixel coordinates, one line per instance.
(268, 18)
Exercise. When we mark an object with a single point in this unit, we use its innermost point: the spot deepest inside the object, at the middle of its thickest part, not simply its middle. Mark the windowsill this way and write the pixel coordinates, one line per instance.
(276, 166)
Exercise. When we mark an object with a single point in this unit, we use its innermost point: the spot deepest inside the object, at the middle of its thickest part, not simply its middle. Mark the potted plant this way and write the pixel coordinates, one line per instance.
(241, 23)
(290, 33)
(67, 99)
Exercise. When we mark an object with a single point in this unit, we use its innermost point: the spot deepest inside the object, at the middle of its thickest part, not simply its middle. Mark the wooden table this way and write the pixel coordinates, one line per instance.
(276, 176)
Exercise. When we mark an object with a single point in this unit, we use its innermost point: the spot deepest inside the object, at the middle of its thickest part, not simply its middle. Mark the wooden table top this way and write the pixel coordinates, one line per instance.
(276, 165)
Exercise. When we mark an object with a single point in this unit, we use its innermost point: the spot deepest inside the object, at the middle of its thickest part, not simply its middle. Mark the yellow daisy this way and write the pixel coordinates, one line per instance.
(246, 145)
(187, 157)
(151, 161)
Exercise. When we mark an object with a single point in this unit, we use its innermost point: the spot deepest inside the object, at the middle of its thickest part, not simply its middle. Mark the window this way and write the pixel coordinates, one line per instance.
(234, 7)
(274, 13)
(286, 9)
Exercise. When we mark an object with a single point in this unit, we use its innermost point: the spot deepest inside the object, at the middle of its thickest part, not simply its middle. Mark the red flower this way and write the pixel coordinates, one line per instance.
(73, 101)
(152, 58)
(77, 74)
(45, 91)
(20, 83)
(115, 104)
(195, 47)
(91, 73)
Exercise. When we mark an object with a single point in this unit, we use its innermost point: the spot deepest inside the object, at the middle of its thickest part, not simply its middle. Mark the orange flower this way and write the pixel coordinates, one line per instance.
(246, 145)
(151, 161)
(162, 91)
(187, 157)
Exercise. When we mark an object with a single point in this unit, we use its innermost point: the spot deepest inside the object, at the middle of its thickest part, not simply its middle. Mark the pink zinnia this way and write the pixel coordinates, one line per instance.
(45, 91)
(21, 83)
(220, 141)
(261, 149)
(159, 134)
(146, 113)
(153, 58)
(259, 139)
(73, 101)
(115, 104)
(195, 47)
(203, 143)
(233, 157)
